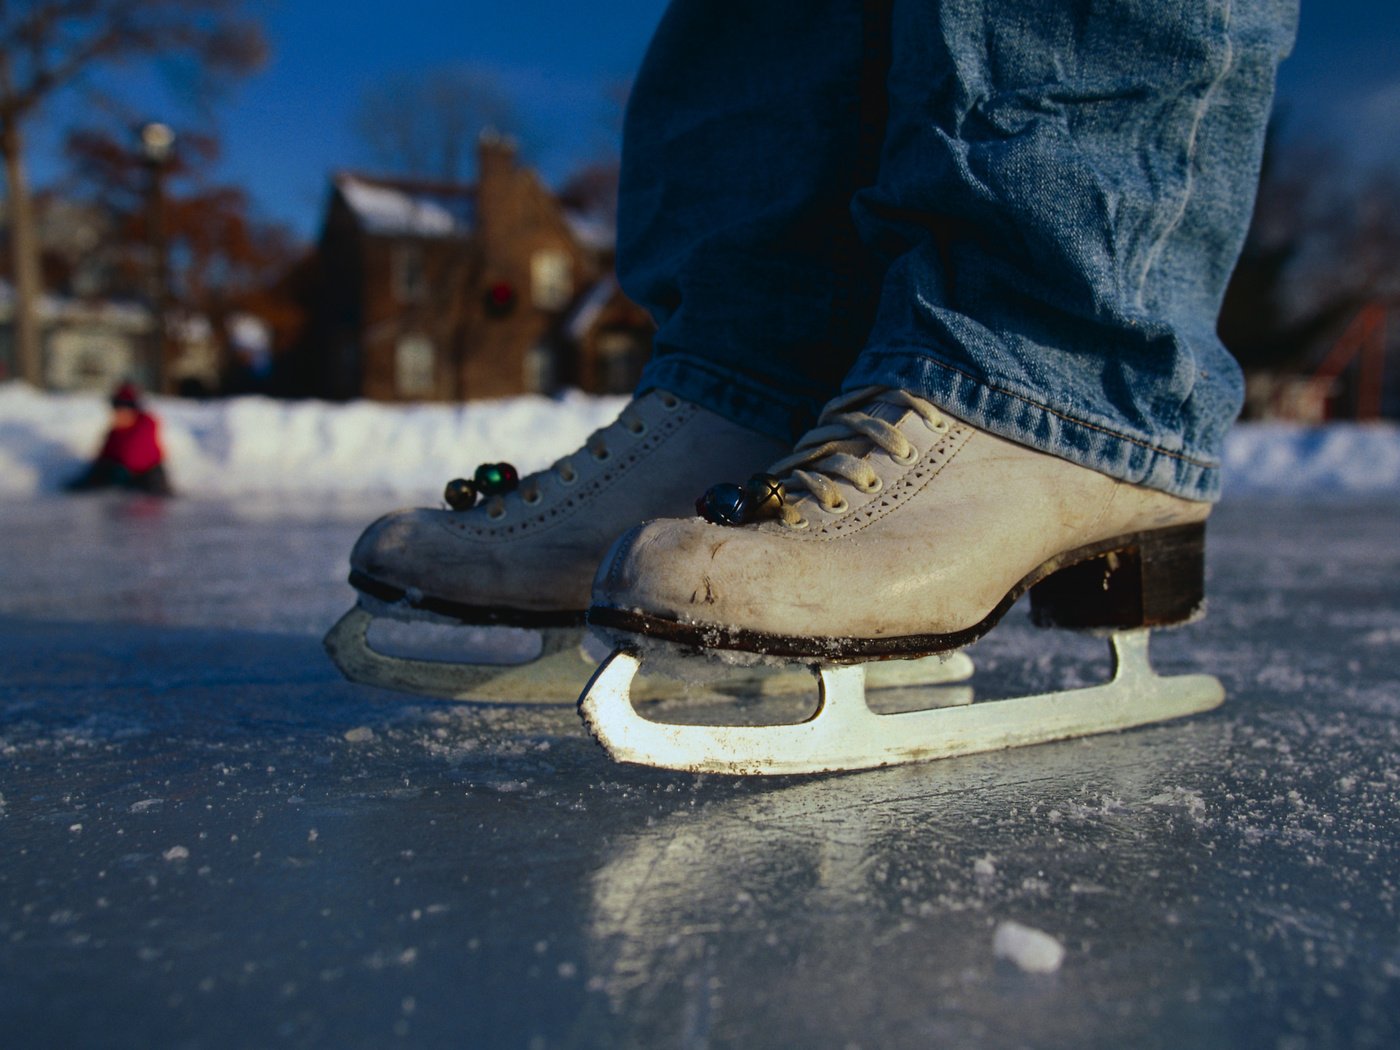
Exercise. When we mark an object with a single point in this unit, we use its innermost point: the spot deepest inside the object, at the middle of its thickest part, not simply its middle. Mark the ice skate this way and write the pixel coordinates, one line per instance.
(516, 557)
(899, 531)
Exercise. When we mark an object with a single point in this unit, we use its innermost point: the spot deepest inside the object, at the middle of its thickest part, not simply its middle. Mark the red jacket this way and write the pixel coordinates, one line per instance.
(137, 447)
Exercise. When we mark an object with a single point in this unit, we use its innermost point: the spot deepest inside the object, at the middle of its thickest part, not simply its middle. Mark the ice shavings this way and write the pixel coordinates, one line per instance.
(1032, 950)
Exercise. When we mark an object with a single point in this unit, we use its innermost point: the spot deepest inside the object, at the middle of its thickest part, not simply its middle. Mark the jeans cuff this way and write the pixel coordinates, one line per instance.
(738, 398)
(1027, 422)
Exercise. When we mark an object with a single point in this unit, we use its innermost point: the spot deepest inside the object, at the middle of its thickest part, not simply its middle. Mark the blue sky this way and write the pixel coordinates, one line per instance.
(289, 126)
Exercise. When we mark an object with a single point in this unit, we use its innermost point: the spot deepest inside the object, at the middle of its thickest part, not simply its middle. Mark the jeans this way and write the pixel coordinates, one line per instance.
(1025, 211)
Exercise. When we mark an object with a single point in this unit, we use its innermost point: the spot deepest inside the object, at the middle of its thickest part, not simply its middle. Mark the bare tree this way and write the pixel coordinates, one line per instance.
(427, 124)
(1322, 244)
(48, 46)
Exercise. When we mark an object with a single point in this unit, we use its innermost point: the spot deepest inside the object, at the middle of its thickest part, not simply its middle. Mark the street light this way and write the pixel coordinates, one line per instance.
(158, 148)
(158, 142)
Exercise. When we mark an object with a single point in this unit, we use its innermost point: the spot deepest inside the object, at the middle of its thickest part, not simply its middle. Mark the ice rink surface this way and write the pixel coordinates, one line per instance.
(211, 840)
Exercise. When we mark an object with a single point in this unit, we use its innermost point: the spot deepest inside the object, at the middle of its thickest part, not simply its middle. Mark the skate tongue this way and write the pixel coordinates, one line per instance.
(838, 439)
(886, 410)
(836, 448)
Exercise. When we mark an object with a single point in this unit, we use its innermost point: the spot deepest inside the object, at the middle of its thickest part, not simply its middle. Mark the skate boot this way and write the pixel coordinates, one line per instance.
(515, 557)
(899, 531)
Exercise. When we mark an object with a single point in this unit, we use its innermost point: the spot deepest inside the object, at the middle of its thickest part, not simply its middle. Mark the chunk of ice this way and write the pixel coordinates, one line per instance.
(1032, 950)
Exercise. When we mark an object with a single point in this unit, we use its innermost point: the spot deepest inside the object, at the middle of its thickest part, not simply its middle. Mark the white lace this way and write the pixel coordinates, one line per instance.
(596, 445)
(837, 449)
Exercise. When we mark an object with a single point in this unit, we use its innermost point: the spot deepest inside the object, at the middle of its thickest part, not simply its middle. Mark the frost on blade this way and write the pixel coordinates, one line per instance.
(1032, 950)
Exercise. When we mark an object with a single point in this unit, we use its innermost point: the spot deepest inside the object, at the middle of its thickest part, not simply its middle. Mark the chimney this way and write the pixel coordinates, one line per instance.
(495, 158)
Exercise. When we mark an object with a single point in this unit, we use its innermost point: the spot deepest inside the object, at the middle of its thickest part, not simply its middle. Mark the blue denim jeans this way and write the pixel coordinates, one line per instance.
(1025, 211)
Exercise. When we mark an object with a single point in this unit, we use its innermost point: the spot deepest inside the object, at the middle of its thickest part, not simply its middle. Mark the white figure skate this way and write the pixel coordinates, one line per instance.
(521, 560)
(902, 533)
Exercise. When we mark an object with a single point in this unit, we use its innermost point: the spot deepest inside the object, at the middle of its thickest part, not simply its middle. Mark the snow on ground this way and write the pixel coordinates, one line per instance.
(250, 445)
(247, 445)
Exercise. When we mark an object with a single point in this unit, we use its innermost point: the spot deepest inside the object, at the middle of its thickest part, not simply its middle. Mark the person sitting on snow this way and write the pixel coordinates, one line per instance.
(131, 456)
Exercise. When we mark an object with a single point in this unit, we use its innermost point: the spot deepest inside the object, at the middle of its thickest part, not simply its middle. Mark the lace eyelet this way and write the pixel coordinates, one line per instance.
(638, 430)
(496, 514)
(568, 479)
(839, 507)
(670, 403)
(602, 455)
(941, 427)
(871, 489)
(530, 498)
(798, 525)
(907, 461)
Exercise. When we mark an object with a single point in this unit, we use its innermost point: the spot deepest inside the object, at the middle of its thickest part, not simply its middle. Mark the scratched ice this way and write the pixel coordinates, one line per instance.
(212, 840)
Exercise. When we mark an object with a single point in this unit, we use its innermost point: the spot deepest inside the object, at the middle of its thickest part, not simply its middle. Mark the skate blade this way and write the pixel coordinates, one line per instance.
(845, 734)
(550, 677)
(562, 667)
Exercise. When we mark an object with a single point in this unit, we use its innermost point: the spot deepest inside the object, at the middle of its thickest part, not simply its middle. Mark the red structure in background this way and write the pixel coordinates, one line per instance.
(1363, 341)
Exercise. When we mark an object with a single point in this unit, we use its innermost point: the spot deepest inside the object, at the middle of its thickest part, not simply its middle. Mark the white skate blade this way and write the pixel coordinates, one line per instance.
(562, 668)
(845, 734)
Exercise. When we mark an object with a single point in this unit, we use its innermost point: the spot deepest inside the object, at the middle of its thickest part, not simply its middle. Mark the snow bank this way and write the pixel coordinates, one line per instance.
(1337, 459)
(253, 445)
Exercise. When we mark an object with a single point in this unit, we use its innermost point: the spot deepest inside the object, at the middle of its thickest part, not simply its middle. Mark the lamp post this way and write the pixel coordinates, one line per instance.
(158, 148)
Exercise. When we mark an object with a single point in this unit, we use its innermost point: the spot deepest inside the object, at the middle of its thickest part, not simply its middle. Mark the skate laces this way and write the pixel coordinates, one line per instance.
(837, 449)
(598, 445)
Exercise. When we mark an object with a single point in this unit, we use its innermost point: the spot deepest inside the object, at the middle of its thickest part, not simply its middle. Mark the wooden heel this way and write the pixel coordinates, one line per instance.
(1149, 579)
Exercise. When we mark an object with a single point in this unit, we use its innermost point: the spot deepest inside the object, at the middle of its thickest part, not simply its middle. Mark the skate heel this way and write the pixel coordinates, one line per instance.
(1150, 579)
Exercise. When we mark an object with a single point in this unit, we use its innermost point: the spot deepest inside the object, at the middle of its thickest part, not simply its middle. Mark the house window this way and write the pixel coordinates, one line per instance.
(551, 279)
(89, 359)
(410, 277)
(539, 369)
(413, 366)
(620, 360)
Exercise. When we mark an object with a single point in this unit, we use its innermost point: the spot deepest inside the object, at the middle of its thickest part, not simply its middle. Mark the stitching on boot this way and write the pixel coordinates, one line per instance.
(657, 435)
(908, 485)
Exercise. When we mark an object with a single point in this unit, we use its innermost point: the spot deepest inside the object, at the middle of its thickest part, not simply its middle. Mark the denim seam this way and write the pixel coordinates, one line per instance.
(928, 356)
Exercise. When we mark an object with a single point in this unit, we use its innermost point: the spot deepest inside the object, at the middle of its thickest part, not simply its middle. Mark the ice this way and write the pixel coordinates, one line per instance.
(1222, 881)
(1034, 951)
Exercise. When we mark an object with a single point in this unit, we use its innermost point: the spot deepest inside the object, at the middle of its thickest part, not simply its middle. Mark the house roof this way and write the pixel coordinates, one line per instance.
(406, 207)
(593, 231)
(589, 306)
(410, 208)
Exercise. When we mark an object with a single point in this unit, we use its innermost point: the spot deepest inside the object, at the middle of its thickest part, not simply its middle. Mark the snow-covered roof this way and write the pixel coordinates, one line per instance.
(589, 306)
(119, 313)
(387, 208)
(597, 233)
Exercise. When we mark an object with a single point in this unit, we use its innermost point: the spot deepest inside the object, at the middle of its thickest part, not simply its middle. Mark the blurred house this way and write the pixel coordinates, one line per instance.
(96, 325)
(84, 344)
(443, 291)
